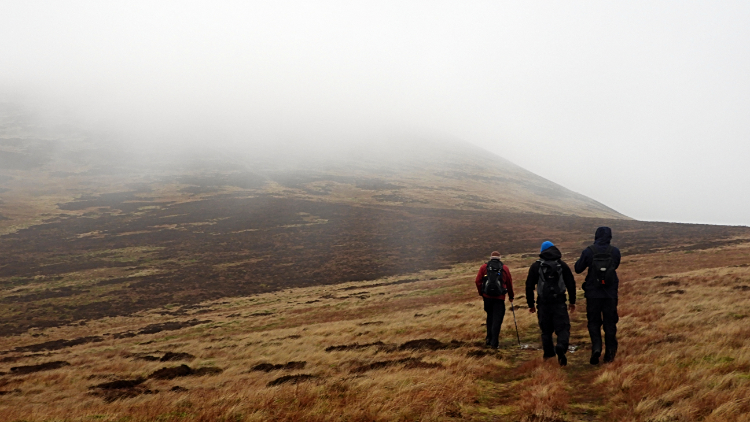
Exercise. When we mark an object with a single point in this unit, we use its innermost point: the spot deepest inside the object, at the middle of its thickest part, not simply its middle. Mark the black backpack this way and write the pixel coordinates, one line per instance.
(602, 267)
(492, 283)
(551, 286)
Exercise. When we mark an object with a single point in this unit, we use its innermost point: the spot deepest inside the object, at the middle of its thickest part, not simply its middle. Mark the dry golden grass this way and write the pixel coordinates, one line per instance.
(687, 337)
(683, 354)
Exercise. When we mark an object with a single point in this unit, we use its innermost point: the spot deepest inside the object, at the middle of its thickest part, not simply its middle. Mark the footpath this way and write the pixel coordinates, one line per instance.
(526, 387)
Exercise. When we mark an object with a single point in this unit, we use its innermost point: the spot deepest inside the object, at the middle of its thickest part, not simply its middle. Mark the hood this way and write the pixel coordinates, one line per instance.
(603, 236)
(551, 254)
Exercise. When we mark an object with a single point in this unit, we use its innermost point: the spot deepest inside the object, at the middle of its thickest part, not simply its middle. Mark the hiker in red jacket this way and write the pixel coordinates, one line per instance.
(493, 283)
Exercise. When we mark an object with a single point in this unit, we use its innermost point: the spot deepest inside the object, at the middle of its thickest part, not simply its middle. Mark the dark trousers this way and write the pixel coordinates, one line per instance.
(495, 309)
(602, 312)
(553, 317)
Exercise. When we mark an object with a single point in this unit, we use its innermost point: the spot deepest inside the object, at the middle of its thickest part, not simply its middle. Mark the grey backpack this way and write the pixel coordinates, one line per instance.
(551, 285)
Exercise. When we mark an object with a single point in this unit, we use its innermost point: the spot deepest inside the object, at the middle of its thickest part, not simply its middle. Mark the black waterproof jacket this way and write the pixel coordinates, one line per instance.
(592, 289)
(550, 254)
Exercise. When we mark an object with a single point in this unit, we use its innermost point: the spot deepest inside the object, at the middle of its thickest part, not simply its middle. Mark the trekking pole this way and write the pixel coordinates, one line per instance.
(512, 308)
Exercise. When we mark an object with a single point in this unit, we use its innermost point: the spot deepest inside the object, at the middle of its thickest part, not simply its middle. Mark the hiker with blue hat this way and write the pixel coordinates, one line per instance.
(552, 279)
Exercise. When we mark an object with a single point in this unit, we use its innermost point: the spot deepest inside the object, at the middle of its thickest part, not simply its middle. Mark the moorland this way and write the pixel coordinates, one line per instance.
(226, 289)
(124, 255)
(405, 347)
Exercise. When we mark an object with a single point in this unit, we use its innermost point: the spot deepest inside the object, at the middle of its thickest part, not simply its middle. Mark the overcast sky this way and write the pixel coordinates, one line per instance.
(641, 105)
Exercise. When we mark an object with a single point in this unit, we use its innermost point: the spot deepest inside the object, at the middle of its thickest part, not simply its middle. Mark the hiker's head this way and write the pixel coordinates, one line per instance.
(546, 245)
(495, 255)
(603, 235)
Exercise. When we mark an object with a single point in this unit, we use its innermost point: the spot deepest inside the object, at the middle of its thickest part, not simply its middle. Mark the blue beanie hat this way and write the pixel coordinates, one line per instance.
(546, 245)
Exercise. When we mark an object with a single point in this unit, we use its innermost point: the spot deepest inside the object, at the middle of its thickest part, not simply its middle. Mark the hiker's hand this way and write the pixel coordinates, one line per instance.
(532, 309)
(572, 308)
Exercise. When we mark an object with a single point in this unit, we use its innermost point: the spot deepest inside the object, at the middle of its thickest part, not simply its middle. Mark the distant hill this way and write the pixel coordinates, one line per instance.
(43, 165)
(441, 174)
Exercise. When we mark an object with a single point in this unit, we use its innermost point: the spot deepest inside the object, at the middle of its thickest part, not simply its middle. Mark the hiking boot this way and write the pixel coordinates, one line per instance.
(595, 357)
(609, 355)
(561, 355)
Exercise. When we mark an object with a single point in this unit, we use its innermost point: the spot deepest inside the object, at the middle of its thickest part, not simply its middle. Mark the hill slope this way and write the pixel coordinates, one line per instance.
(42, 166)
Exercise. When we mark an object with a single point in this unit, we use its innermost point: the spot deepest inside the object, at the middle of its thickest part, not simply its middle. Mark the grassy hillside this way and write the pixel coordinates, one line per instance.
(406, 347)
(43, 166)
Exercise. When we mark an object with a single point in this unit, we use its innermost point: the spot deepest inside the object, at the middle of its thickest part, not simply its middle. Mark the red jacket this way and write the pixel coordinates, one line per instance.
(507, 282)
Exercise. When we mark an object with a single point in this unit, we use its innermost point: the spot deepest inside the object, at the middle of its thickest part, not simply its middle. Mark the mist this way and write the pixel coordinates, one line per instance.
(642, 106)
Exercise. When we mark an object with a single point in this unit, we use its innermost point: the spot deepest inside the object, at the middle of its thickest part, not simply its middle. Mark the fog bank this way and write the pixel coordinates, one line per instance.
(640, 105)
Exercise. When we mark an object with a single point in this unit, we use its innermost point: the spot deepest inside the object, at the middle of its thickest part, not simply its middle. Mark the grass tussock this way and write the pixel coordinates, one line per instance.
(544, 396)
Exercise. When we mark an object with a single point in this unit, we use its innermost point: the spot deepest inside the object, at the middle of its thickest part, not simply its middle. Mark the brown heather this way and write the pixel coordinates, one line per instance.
(684, 354)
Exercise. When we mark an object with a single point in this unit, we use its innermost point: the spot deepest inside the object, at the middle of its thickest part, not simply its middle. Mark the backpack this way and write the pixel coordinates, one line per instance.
(492, 283)
(602, 266)
(551, 285)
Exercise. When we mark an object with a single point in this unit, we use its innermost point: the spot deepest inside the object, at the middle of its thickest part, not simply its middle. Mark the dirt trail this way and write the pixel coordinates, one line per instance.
(519, 390)
(586, 401)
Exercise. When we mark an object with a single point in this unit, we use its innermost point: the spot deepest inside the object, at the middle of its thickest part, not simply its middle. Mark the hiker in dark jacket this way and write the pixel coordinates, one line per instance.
(552, 312)
(601, 296)
(494, 306)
